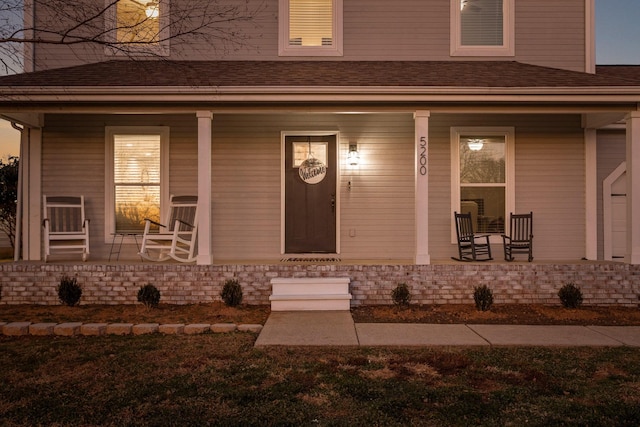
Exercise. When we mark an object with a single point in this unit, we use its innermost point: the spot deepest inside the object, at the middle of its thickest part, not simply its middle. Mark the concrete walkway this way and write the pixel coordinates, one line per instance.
(337, 328)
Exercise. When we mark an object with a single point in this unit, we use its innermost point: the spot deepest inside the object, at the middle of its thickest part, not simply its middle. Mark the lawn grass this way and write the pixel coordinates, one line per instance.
(221, 379)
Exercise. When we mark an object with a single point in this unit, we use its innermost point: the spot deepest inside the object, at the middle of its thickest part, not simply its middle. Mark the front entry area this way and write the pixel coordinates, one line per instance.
(310, 205)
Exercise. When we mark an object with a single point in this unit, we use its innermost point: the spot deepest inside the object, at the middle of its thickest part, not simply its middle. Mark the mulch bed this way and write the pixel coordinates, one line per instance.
(523, 314)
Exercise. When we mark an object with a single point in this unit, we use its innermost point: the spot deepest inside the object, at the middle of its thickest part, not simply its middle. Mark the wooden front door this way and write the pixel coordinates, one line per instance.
(310, 196)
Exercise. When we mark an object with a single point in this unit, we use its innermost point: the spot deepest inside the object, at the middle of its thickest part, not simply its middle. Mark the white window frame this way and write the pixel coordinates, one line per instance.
(285, 49)
(162, 48)
(109, 191)
(508, 36)
(509, 137)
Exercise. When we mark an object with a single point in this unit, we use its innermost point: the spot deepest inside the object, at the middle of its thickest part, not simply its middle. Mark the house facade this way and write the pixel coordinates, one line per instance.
(414, 109)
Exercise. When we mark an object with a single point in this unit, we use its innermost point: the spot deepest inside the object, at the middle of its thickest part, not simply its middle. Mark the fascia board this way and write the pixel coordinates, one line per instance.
(319, 94)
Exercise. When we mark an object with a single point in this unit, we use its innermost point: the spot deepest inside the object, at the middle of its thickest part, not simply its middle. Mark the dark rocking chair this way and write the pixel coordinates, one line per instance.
(471, 246)
(521, 236)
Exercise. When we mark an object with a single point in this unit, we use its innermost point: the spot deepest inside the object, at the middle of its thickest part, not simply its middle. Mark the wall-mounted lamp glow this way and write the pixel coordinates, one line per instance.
(475, 144)
(353, 157)
(152, 9)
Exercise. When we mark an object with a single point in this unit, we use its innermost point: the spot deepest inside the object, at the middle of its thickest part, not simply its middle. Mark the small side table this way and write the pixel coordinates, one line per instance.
(116, 247)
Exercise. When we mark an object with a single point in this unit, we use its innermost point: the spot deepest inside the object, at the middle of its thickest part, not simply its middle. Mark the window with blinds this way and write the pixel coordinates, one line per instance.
(483, 27)
(481, 23)
(311, 22)
(136, 180)
(310, 27)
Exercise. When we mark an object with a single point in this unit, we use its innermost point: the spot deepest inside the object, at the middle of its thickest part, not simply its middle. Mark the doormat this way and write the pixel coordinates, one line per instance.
(310, 260)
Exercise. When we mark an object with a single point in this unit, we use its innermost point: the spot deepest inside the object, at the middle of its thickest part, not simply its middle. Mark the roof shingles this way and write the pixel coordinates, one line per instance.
(480, 74)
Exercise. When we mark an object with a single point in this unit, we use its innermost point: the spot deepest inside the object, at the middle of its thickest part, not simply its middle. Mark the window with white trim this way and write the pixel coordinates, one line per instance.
(310, 27)
(482, 176)
(138, 27)
(482, 27)
(136, 177)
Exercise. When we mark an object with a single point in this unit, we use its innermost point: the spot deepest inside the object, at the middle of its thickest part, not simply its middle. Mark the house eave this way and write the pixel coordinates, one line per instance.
(110, 93)
(221, 98)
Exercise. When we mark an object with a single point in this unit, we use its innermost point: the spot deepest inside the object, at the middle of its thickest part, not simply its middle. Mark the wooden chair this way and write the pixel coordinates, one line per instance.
(520, 239)
(66, 229)
(177, 237)
(471, 246)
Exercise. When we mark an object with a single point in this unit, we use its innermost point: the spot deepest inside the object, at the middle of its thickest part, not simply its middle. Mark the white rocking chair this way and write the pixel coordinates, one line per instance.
(65, 227)
(176, 239)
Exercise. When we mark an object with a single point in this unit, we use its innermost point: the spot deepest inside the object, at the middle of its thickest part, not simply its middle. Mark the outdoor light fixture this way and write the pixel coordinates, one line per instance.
(353, 157)
(152, 9)
(475, 144)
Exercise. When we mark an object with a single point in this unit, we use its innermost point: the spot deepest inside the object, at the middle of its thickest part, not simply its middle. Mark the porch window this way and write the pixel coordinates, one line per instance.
(310, 27)
(482, 176)
(136, 178)
(482, 28)
(138, 26)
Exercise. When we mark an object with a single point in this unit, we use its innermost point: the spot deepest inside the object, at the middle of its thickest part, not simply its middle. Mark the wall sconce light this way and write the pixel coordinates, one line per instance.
(475, 144)
(152, 9)
(353, 157)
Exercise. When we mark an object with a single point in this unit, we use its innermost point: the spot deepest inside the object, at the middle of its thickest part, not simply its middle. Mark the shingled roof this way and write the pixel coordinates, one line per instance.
(464, 74)
(627, 72)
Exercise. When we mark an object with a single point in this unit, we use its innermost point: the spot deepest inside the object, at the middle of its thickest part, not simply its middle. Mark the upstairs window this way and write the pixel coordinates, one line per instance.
(310, 27)
(482, 28)
(138, 27)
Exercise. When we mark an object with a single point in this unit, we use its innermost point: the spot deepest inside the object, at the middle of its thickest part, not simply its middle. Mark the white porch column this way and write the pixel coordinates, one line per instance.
(633, 188)
(204, 187)
(31, 165)
(421, 174)
(591, 194)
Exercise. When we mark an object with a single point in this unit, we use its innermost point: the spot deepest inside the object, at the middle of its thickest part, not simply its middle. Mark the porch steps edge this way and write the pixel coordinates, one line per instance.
(310, 294)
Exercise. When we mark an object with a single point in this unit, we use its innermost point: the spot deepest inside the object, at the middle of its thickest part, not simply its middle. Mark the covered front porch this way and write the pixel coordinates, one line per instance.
(395, 206)
(223, 136)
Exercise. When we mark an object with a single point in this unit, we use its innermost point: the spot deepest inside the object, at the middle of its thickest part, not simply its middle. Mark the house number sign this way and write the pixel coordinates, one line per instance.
(422, 156)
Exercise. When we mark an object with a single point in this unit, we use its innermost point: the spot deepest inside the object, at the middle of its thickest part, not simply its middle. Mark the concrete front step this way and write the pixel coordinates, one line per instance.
(316, 293)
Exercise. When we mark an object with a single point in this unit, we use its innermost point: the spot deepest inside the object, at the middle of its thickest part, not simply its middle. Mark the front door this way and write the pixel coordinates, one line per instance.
(310, 194)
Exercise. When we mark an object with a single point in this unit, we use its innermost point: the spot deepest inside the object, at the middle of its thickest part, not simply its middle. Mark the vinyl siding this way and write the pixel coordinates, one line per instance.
(547, 32)
(378, 206)
(551, 33)
(73, 162)
(247, 188)
(550, 181)
(549, 173)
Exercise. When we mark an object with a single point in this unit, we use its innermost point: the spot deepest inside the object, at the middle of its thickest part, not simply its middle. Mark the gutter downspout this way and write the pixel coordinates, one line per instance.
(18, 236)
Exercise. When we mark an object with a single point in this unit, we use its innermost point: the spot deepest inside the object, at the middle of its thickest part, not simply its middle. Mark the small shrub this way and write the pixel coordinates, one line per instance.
(231, 293)
(149, 295)
(401, 295)
(69, 292)
(570, 295)
(483, 297)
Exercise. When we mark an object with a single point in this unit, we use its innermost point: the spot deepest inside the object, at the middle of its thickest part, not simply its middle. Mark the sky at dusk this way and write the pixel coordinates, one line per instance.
(618, 32)
(617, 42)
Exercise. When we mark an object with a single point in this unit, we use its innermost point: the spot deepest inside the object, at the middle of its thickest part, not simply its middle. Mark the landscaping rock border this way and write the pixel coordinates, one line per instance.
(69, 329)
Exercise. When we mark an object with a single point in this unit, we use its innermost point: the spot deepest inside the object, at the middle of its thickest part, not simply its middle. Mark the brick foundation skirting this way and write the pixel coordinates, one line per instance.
(601, 283)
